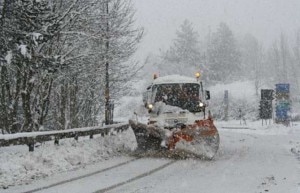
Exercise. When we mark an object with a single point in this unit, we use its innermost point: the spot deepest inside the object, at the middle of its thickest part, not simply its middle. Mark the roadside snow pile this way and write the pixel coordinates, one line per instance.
(18, 166)
(296, 149)
(128, 105)
(242, 89)
(279, 129)
(241, 95)
(256, 127)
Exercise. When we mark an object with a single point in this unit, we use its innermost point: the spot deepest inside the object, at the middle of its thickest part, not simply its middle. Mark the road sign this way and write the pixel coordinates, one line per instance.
(282, 103)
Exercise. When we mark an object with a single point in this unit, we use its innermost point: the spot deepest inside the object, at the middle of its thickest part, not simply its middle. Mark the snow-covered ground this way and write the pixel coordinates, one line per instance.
(18, 166)
(251, 158)
(246, 162)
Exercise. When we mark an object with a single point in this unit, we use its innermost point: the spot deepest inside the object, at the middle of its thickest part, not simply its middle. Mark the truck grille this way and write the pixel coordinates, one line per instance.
(175, 121)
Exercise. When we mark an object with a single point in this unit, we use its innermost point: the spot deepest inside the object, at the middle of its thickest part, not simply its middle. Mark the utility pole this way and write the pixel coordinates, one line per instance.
(107, 97)
(226, 105)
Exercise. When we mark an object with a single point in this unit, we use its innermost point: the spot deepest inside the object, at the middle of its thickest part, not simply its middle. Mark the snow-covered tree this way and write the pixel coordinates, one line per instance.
(296, 62)
(26, 30)
(53, 60)
(110, 38)
(283, 63)
(184, 56)
(223, 56)
(252, 55)
(279, 61)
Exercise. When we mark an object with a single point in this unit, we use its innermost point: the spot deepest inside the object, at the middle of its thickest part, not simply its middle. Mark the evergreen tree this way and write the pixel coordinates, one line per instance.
(296, 63)
(253, 61)
(223, 55)
(184, 56)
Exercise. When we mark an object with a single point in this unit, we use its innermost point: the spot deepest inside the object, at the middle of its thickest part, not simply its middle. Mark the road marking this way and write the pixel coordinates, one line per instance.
(238, 128)
(136, 178)
(80, 177)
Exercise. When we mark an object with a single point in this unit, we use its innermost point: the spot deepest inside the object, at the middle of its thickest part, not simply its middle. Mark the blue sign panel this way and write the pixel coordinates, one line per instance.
(283, 88)
(282, 102)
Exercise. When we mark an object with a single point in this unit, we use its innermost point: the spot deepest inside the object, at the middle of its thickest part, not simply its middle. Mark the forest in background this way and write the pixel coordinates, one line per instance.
(223, 58)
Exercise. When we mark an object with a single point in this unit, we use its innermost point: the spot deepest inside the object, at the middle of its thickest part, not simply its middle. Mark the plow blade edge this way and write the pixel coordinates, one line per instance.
(199, 140)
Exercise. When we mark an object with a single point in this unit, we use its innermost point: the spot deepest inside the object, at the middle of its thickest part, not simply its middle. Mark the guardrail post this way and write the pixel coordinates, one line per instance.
(31, 145)
(56, 141)
(91, 136)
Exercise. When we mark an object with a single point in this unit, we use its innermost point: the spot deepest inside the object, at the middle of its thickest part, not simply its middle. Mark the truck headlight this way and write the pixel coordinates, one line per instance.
(150, 106)
(201, 104)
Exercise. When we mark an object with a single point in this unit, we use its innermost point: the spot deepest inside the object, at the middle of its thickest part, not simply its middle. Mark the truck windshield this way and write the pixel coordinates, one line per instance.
(185, 96)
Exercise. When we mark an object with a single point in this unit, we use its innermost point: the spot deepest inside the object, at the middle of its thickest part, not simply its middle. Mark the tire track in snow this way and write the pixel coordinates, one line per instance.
(136, 178)
(81, 177)
(296, 151)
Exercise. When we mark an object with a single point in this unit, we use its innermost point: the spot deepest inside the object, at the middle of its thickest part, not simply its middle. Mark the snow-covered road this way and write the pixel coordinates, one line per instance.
(249, 161)
(245, 163)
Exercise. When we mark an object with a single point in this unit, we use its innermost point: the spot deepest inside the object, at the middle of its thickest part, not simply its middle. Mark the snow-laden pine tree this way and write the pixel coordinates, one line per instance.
(296, 63)
(295, 74)
(252, 55)
(279, 62)
(27, 29)
(184, 56)
(282, 62)
(223, 57)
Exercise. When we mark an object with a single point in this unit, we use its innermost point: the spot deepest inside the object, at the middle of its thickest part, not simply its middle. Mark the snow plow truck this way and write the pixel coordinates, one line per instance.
(179, 122)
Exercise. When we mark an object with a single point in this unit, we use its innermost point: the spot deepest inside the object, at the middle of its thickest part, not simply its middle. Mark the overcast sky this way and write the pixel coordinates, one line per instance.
(265, 19)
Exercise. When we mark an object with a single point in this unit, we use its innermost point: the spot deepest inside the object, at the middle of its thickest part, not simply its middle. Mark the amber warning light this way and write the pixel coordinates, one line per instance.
(197, 74)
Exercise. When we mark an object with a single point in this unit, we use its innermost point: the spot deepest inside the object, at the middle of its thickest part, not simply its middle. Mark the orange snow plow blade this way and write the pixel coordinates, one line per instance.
(198, 140)
(201, 139)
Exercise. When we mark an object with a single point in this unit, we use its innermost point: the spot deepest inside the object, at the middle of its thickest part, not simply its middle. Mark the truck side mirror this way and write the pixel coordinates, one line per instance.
(207, 95)
(145, 97)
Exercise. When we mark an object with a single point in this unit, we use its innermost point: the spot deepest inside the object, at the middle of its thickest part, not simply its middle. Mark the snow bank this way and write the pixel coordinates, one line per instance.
(18, 166)
(296, 150)
(237, 90)
(256, 127)
(127, 106)
(241, 96)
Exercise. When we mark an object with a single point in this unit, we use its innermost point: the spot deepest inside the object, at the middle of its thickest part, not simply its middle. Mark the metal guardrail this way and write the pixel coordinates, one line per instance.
(30, 138)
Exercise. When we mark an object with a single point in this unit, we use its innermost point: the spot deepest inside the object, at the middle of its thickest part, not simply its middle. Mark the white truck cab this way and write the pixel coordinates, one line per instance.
(175, 99)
